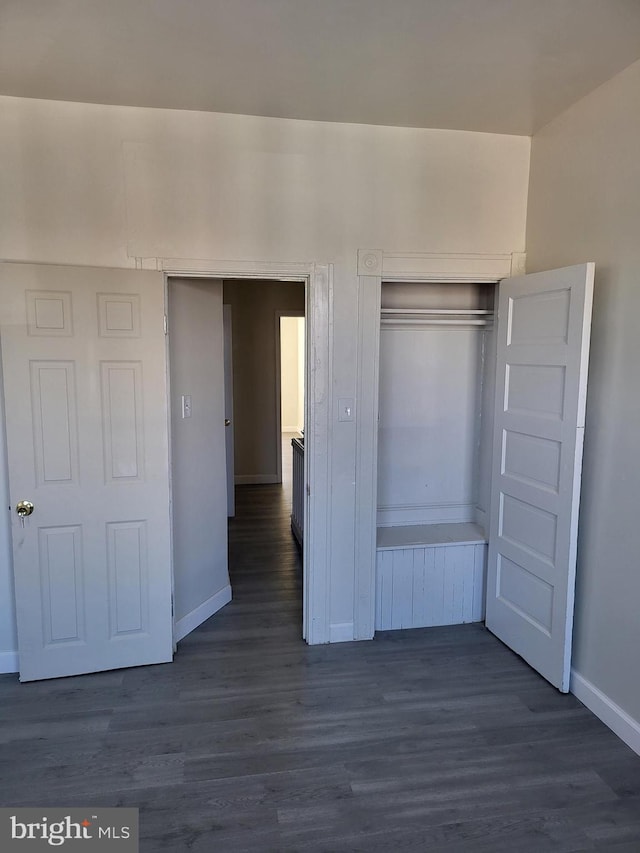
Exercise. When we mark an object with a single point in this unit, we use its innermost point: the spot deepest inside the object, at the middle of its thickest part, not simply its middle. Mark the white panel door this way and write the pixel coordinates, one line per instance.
(543, 346)
(83, 355)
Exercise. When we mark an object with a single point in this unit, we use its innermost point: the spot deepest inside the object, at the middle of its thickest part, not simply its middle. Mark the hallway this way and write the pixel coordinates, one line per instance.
(437, 740)
(265, 563)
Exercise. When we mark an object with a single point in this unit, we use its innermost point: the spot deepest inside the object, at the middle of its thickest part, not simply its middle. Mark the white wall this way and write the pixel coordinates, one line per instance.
(254, 307)
(429, 425)
(585, 205)
(291, 374)
(101, 185)
(197, 450)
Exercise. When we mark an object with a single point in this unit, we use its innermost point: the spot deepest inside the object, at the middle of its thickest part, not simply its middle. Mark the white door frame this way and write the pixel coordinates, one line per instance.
(318, 280)
(374, 266)
(279, 314)
(227, 321)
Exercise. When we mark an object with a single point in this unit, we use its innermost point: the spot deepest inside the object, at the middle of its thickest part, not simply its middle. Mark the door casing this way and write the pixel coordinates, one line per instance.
(318, 281)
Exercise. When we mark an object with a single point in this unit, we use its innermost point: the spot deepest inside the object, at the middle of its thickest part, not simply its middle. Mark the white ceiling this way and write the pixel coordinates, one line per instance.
(504, 66)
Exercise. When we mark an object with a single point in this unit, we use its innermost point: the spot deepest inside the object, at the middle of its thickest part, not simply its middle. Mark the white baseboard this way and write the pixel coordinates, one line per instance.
(9, 662)
(605, 709)
(256, 479)
(191, 621)
(295, 429)
(341, 632)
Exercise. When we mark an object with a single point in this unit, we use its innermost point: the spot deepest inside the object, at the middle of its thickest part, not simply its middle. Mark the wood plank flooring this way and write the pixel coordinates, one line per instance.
(428, 740)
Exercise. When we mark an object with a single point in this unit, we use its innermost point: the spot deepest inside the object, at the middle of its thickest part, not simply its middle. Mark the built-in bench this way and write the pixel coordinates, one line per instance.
(430, 574)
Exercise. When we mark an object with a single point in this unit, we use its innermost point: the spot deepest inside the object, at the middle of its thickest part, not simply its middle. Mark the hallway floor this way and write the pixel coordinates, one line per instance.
(437, 740)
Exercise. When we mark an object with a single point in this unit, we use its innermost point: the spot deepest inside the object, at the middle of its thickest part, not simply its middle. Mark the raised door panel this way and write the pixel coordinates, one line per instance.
(119, 315)
(55, 421)
(122, 420)
(49, 313)
(62, 585)
(127, 562)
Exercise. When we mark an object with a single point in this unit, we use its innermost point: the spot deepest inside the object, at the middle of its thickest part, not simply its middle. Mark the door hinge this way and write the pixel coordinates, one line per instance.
(166, 324)
(308, 489)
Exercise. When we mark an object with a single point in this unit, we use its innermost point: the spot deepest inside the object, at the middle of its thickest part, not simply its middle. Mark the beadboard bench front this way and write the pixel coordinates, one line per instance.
(430, 574)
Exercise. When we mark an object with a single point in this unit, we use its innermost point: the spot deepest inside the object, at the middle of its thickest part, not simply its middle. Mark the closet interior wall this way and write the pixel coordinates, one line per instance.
(436, 396)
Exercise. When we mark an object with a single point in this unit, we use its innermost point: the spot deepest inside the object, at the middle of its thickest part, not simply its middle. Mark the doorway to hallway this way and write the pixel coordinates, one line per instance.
(267, 377)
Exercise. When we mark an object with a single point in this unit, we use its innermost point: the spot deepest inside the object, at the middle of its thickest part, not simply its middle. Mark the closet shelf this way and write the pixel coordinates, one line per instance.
(435, 317)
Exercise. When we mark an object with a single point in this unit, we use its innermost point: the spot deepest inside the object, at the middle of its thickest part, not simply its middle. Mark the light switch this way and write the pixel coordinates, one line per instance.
(346, 409)
(186, 405)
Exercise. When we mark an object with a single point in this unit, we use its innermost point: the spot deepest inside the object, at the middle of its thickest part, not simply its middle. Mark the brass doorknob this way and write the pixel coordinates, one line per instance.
(24, 508)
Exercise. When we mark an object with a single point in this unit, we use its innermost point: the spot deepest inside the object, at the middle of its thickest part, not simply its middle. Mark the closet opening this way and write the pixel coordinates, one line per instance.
(436, 398)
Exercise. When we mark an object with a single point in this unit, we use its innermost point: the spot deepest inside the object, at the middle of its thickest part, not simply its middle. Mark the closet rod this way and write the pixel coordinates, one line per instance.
(433, 311)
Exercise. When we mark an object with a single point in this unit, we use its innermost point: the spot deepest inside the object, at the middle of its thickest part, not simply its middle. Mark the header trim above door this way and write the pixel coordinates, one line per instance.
(429, 266)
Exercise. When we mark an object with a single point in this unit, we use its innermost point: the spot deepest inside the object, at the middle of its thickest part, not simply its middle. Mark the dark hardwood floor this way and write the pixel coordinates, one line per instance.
(429, 740)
